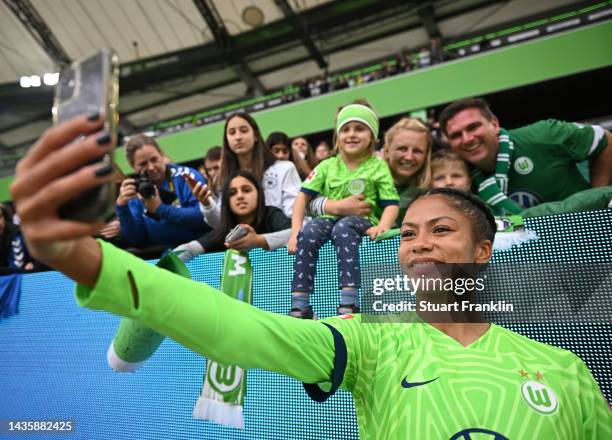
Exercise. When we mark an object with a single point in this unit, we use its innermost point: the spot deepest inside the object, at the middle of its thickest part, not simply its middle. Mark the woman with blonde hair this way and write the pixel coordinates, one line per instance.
(407, 150)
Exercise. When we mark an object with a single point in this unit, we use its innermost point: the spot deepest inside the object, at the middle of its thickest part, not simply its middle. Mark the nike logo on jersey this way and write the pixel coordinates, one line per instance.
(407, 384)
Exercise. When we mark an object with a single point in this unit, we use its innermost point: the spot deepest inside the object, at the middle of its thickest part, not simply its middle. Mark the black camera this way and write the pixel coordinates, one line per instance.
(144, 186)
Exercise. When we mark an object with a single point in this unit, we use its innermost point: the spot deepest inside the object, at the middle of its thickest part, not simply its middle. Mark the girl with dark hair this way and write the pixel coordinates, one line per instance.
(281, 147)
(242, 203)
(322, 151)
(244, 149)
(304, 157)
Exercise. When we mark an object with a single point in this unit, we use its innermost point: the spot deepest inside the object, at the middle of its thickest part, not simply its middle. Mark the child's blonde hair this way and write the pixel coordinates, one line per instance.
(422, 178)
(373, 141)
(447, 155)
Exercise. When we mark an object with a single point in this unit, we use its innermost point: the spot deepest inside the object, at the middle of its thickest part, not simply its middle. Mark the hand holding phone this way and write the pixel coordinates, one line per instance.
(56, 169)
(90, 86)
(190, 180)
(236, 233)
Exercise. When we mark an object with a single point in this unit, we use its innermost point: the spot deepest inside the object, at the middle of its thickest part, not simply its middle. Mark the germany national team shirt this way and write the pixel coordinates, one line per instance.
(372, 178)
(543, 164)
(408, 380)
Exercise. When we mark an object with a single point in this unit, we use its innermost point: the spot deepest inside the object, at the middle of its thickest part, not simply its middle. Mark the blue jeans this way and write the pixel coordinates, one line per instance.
(346, 234)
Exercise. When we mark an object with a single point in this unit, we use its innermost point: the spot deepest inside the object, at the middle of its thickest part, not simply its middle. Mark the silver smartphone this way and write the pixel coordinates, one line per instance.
(237, 232)
(88, 86)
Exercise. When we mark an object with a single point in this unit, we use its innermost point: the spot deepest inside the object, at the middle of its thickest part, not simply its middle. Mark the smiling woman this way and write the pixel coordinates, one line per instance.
(410, 380)
(407, 150)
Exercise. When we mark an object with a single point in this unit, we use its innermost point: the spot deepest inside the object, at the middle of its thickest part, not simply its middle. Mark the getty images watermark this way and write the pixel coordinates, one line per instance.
(393, 289)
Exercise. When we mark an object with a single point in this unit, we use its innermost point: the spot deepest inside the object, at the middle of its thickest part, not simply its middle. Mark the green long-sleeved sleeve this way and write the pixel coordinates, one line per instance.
(588, 200)
(208, 321)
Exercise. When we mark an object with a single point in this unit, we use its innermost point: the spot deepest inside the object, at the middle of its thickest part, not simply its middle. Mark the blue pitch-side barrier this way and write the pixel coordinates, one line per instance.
(53, 353)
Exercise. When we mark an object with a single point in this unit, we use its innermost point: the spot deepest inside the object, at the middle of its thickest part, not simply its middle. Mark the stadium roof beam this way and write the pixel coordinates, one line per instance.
(36, 26)
(299, 25)
(225, 42)
(282, 65)
(427, 16)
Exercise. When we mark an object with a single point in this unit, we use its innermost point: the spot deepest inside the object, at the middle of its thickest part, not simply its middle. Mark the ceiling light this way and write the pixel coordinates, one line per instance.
(51, 79)
(253, 16)
(25, 82)
(35, 80)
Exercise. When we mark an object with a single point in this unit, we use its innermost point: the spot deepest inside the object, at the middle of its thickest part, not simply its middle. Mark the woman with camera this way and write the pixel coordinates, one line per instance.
(157, 207)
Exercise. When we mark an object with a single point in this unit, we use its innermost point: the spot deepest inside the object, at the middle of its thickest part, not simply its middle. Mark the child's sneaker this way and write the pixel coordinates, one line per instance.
(345, 309)
(302, 313)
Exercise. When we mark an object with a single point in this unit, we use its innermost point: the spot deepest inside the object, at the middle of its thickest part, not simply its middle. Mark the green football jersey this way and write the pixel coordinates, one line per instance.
(407, 194)
(410, 380)
(407, 380)
(372, 178)
(544, 162)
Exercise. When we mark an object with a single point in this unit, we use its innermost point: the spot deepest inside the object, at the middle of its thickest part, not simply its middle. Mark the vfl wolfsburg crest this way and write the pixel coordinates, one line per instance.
(539, 397)
(523, 165)
(356, 186)
(225, 379)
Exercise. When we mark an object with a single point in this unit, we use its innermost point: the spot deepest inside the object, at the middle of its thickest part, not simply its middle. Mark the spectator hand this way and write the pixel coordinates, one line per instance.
(188, 251)
(54, 171)
(250, 241)
(153, 203)
(375, 231)
(127, 192)
(110, 230)
(351, 205)
(292, 245)
(203, 194)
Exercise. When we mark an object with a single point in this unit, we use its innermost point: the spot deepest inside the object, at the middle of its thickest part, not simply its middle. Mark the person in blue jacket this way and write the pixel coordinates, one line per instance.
(14, 254)
(170, 214)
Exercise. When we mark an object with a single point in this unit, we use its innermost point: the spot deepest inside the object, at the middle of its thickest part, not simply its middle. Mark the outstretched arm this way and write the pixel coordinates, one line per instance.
(601, 166)
(208, 321)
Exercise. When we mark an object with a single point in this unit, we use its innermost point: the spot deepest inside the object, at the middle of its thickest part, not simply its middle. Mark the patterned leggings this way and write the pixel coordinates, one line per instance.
(346, 233)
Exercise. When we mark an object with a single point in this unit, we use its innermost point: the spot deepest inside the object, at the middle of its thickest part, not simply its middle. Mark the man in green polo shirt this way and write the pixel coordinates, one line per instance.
(517, 169)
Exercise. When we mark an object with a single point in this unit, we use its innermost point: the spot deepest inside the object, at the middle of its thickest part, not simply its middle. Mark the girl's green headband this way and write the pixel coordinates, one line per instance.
(359, 113)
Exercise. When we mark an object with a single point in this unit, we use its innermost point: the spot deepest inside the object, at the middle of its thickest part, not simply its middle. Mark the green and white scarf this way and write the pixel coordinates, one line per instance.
(222, 396)
(492, 189)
